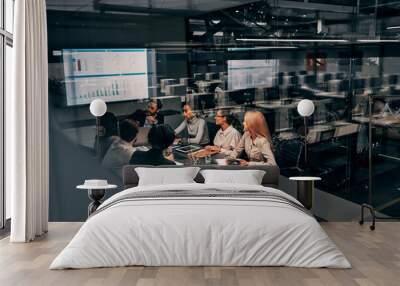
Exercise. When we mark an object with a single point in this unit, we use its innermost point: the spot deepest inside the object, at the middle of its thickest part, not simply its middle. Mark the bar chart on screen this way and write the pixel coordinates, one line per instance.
(110, 74)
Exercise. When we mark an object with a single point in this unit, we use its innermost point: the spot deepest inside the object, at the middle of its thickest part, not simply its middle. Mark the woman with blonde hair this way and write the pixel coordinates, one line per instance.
(256, 141)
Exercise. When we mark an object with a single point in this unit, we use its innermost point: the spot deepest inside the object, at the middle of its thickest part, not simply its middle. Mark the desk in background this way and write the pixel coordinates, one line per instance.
(379, 120)
(330, 94)
(336, 129)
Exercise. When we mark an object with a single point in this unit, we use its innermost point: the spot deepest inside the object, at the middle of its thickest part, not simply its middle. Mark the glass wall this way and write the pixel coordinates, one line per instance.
(169, 61)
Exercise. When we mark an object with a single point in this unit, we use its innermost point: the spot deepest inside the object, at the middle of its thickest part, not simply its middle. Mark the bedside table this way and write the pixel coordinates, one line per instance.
(96, 190)
(305, 190)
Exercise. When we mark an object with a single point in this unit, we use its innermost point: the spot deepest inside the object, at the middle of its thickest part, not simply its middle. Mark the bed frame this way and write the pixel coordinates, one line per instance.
(271, 177)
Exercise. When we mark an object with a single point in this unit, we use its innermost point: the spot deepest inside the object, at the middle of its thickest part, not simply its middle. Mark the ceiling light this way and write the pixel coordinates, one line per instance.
(198, 33)
(294, 40)
(393, 27)
(319, 26)
(377, 41)
(176, 44)
(260, 48)
(216, 21)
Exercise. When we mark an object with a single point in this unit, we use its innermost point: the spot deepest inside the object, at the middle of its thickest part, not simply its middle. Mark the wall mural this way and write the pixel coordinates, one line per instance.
(190, 90)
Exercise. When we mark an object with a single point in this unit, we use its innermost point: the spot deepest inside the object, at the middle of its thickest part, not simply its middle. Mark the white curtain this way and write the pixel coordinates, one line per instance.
(27, 124)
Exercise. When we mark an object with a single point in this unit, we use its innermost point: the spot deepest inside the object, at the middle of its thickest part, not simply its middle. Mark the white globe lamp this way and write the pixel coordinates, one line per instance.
(98, 107)
(305, 108)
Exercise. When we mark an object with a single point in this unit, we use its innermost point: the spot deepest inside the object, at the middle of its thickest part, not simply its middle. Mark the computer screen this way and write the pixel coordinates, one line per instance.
(109, 74)
(393, 79)
(344, 85)
(340, 76)
(272, 93)
(375, 82)
(359, 83)
(199, 76)
(205, 101)
(244, 74)
(175, 90)
(310, 80)
(242, 96)
(327, 77)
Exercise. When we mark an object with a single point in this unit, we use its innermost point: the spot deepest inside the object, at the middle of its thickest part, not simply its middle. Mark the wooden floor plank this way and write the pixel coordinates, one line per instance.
(375, 257)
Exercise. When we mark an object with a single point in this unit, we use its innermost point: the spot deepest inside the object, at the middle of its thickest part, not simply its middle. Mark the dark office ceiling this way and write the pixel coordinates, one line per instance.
(167, 7)
(382, 8)
(311, 19)
(224, 21)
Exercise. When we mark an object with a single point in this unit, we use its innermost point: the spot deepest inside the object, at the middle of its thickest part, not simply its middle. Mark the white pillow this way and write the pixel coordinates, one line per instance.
(248, 177)
(166, 176)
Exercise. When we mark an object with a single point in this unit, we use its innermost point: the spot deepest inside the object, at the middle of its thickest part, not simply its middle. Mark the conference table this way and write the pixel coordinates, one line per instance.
(193, 154)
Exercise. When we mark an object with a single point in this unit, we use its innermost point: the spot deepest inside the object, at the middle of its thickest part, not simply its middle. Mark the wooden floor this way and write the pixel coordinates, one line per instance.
(375, 257)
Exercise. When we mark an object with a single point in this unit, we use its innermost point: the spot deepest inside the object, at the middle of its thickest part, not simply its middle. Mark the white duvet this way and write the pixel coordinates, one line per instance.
(193, 231)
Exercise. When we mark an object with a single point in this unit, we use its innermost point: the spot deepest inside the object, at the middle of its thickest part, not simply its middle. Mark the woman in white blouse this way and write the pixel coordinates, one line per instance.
(227, 137)
(256, 141)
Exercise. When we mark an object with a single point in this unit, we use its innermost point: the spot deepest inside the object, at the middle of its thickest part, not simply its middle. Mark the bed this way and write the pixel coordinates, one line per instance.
(198, 224)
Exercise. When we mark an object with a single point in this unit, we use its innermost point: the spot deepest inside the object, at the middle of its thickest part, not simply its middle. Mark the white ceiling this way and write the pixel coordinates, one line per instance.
(189, 5)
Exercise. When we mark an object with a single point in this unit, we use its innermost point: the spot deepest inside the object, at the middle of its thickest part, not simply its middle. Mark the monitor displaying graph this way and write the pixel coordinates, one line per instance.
(243, 74)
(109, 74)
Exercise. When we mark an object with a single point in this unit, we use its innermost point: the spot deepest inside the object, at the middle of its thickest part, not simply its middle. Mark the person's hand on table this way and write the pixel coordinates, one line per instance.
(170, 157)
(213, 148)
(243, 162)
(177, 141)
(151, 119)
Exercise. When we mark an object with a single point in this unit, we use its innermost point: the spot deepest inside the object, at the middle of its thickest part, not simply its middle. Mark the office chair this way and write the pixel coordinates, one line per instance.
(212, 131)
(375, 82)
(294, 80)
(310, 80)
(340, 76)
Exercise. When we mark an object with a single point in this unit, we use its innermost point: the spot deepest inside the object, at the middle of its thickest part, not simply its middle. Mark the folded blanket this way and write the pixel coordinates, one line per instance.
(203, 194)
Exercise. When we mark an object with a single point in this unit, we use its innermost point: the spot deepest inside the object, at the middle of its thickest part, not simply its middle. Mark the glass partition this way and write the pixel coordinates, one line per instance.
(156, 64)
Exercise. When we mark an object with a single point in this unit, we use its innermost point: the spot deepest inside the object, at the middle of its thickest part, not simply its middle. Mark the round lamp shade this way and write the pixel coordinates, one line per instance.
(98, 107)
(305, 107)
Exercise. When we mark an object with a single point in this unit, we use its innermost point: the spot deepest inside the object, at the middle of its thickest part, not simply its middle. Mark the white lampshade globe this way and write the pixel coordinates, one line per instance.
(98, 107)
(305, 107)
